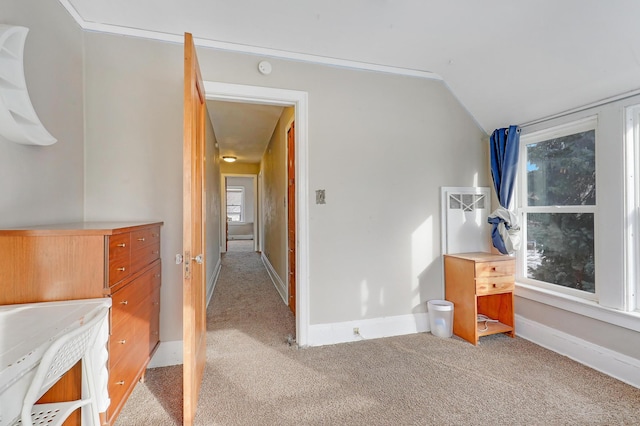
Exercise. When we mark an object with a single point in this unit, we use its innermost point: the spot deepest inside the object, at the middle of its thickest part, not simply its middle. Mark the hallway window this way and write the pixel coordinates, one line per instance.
(235, 204)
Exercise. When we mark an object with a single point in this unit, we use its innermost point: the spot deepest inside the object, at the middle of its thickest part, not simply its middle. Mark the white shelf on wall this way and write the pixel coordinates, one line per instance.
(18, 120)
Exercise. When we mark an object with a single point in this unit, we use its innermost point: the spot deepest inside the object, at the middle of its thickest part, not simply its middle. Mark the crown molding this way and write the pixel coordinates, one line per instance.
(244, 48)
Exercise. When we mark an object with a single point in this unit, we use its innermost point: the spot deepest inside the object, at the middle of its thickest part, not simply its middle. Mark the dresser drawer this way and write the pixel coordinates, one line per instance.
(124, 374)
(154, 324)
(145, 255)
(123, 338)
(495, 269)
(127, 301)
(494, 285)
(145, 237)
(119, 269)
(119, 245)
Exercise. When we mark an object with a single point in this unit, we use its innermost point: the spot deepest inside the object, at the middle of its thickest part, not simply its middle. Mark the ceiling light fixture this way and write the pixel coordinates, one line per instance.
(229, 158)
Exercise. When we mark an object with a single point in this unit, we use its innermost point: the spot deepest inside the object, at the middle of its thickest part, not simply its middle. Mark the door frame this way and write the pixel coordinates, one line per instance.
(257, 208)
(299, 100)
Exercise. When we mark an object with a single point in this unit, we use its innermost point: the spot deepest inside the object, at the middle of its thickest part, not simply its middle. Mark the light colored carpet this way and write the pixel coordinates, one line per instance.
(253, 377)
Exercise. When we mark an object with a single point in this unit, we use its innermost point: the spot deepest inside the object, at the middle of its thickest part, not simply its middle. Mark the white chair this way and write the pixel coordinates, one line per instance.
(63, 354)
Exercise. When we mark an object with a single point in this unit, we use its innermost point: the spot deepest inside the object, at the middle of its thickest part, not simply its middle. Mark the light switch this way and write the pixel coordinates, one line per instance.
(320, 196)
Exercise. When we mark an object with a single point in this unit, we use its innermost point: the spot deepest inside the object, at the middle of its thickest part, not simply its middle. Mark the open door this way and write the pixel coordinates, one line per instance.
(291, 214)
(193, 232)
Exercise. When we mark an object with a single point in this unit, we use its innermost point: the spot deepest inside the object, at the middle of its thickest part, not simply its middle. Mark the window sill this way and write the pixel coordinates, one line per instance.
(588, 308)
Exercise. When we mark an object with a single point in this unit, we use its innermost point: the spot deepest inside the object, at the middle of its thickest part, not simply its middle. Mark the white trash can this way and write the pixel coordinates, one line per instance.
(440, 317)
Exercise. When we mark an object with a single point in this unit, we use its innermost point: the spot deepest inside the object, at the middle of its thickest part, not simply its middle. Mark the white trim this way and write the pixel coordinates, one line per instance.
(547, 133)
(565, 129)
(632, 207)
(244, 48)
(601, 102)
(275, 279)
(300, 100)
(211, 285)
(614, 364)
(578, 305)
(168, 353)
(73, 12)
(374, 328)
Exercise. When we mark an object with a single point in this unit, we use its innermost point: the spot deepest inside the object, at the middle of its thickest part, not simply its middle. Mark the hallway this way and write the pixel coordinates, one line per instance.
(246, 320)
(245, 300)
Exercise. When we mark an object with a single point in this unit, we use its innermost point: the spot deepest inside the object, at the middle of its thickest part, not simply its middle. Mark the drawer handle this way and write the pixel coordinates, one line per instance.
(495, 285)
(122, 245)
(122, 269)
(122, 342)
(155, 252)
(121, 382)
(124, 302)
(493, 269)
(141, 239)
(157, 275)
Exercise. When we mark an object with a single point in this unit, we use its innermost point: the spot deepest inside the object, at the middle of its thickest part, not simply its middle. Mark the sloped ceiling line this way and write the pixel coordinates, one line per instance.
(505, 62)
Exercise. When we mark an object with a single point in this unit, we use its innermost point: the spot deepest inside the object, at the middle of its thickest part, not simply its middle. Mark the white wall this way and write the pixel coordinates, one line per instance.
(376, 141)
(134, 110)
(44, 184)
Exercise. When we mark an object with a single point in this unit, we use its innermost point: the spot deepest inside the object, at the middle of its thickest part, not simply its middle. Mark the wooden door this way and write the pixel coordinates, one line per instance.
(291, 214)
(194, 306)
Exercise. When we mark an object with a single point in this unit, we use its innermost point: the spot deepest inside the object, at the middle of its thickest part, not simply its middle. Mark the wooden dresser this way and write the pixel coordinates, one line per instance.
(86, 260)
(480, 284)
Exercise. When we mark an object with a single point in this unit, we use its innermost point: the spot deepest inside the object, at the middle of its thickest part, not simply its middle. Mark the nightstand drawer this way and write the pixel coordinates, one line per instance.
(494, 285)
(495, 269)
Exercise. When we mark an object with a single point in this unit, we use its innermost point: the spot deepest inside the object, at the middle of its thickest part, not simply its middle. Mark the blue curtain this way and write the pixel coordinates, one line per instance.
(504, 146)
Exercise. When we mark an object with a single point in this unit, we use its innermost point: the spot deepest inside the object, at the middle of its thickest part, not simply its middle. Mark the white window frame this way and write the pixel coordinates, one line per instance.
(239, 189)
(586, 124)
(632, 206)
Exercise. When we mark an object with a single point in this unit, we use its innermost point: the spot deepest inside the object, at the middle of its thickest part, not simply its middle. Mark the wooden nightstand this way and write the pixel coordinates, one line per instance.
(480, 283)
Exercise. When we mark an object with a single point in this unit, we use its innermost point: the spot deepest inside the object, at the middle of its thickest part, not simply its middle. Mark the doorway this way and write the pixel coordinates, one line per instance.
(299, 100)
(240, 207)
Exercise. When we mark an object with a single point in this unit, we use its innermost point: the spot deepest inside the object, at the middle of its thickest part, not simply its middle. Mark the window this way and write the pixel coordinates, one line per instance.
(235, 204)
(557, 199)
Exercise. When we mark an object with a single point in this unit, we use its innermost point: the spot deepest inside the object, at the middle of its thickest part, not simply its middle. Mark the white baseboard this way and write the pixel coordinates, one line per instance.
(611, 363)
(211, 285)
(375, 328)
(277, 282)
(168, 353)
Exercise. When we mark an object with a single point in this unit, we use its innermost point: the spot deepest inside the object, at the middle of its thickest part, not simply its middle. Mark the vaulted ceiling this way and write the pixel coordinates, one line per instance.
(508, 62)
